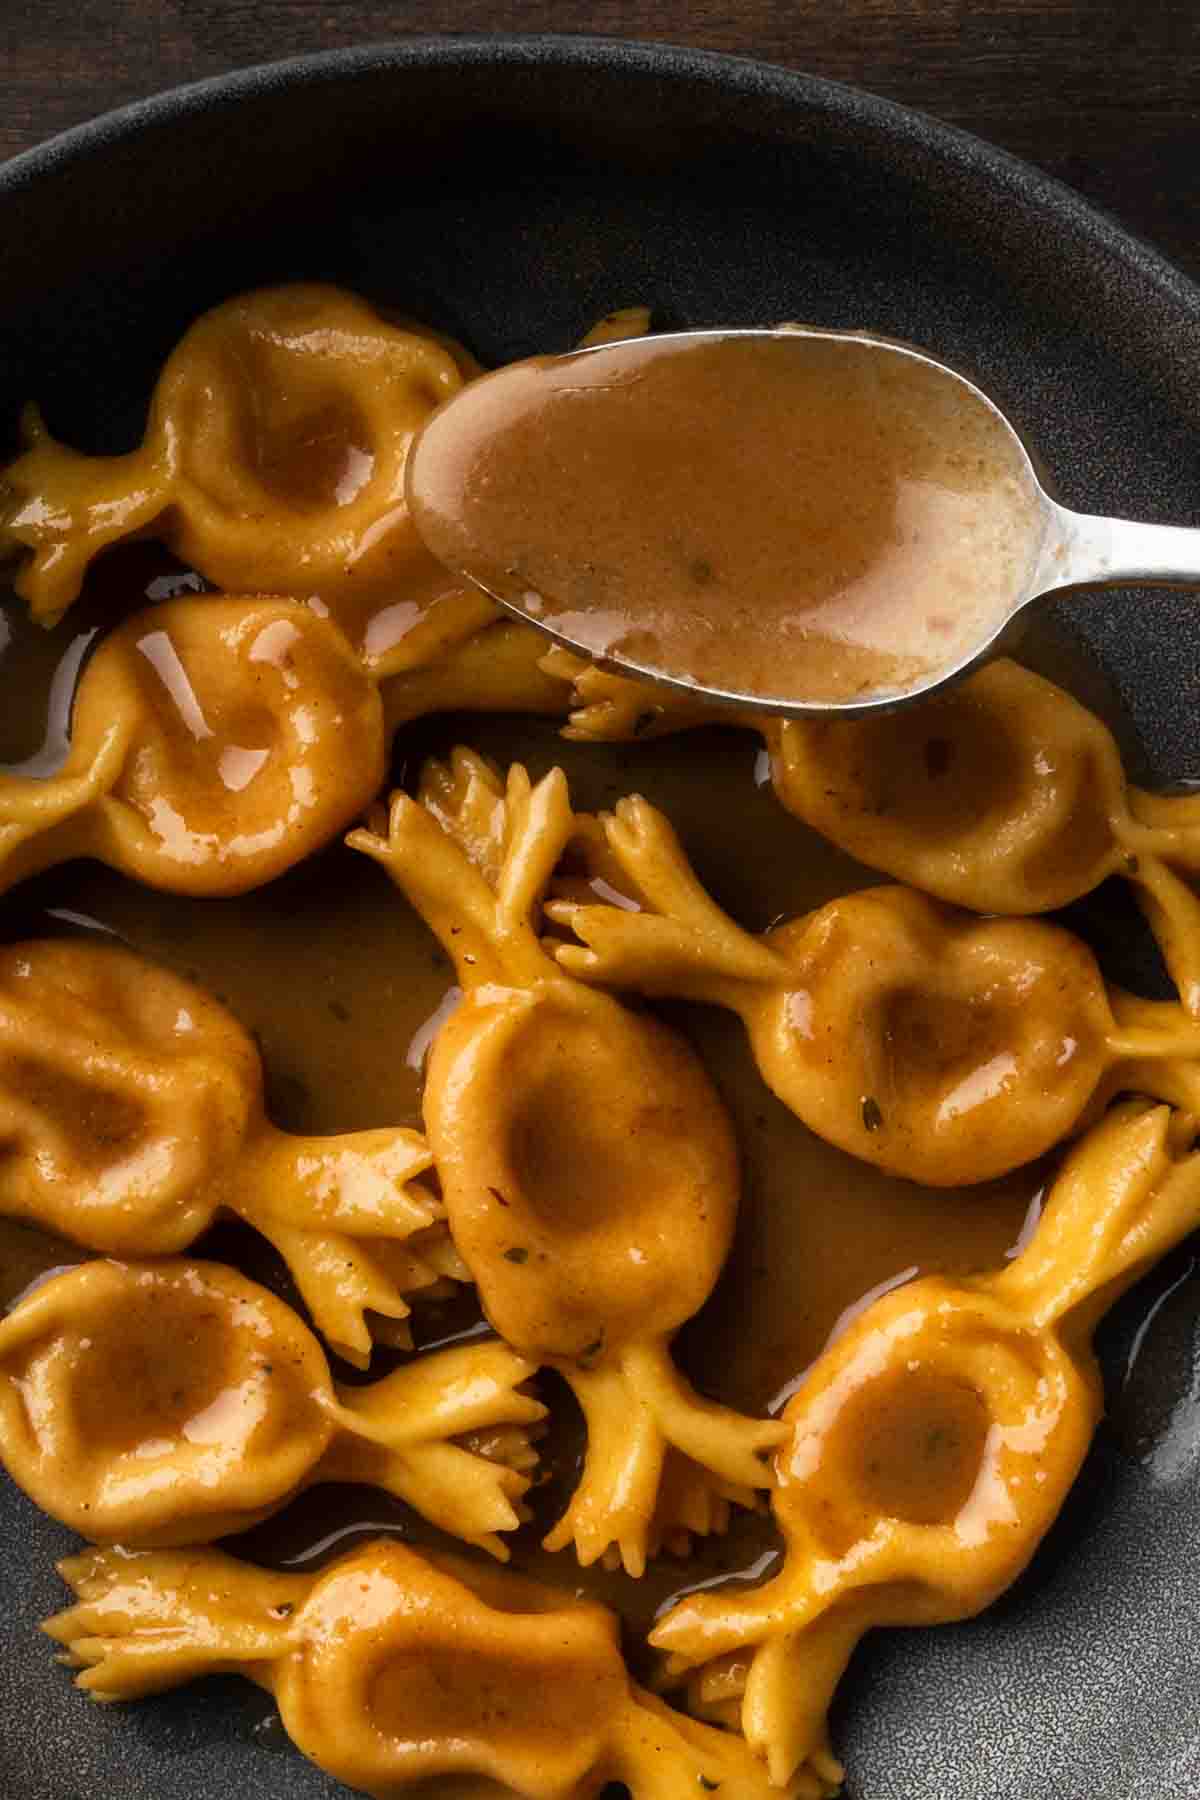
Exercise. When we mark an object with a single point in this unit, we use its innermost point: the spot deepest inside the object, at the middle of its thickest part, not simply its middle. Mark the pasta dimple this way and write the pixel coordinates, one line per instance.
(389, 1668)
(273, 460)
(131, 1114)
(569, 1192)
(214, 743)
(175, 1402)
(994, 1379)
(941, 1046)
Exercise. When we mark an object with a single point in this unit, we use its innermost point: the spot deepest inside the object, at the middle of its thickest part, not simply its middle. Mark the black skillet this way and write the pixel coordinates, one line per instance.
(511, 191)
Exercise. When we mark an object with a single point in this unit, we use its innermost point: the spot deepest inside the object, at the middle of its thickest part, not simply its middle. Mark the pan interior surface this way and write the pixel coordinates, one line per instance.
(510, 192)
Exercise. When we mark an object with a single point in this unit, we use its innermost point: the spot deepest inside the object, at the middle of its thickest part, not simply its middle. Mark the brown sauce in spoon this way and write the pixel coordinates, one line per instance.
(796, 516)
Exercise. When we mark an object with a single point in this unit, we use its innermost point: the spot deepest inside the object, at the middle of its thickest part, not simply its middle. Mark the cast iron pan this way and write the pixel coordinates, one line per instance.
(511, 191)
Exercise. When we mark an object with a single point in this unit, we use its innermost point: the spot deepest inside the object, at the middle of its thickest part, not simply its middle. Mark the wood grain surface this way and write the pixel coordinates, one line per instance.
(1103, 93)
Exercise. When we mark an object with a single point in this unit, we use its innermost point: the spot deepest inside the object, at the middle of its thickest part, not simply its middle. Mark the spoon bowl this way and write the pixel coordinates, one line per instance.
(797, 520)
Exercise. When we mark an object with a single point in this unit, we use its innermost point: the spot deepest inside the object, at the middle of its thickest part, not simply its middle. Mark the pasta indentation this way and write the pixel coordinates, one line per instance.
(273, 460)
(131, 1115)
(933, 1443)
(214, 743)
(177, 1401)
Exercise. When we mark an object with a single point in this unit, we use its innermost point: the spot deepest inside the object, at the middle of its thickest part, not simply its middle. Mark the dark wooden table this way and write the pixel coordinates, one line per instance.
(1103, 93)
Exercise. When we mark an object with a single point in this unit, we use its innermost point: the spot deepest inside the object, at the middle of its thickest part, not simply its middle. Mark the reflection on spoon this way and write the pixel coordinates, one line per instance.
(797, 520)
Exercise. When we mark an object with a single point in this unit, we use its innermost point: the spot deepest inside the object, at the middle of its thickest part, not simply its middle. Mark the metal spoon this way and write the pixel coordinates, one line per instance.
(592, 493)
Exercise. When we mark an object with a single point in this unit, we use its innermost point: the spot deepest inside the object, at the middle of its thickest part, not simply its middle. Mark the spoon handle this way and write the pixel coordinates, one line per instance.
(1084, 549)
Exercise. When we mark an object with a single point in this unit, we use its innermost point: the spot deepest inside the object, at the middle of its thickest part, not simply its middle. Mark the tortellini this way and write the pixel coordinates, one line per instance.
(131, 1114)
(941, 1046)
(1002, 794)
(390, 1668)
(933, 1443)
(570, 1190)
(176, 1401)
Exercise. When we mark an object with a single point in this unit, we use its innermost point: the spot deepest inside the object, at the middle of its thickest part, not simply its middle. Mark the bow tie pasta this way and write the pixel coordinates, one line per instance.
(273, 461)
(570, 1185)
(390, 1669)
(175, 1402)
(131, 1114)
(1002, 794)
(938, 1045)
(214, 743)
(934, 1441)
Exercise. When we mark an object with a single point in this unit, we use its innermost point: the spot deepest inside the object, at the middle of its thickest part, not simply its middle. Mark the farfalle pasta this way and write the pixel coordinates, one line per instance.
(1003, 794)
(569, 1192)
(214, 744)
(941, 1046)
(390, 1669)
(273, 461)
(131, 1115)
(174, 1402)
(934, 1442)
